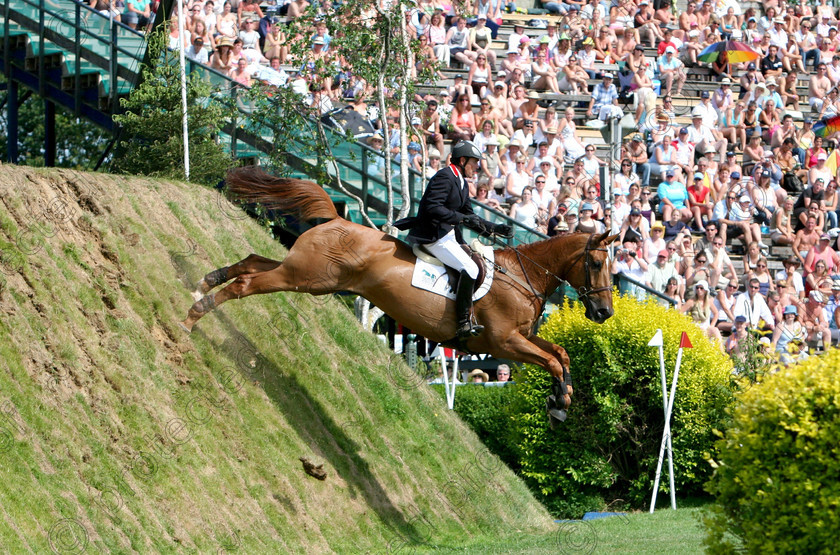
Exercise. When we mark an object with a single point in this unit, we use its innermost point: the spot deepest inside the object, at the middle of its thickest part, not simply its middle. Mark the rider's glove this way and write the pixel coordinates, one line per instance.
(503, 230)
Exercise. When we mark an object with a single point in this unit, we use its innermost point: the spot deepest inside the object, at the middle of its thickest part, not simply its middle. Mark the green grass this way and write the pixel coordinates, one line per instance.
(664, 531)
(123, 434)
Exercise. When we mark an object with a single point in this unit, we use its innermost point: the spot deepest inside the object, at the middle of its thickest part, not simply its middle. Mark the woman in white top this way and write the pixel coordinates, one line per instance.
(624, 178)
(820, 170)
(568, 136)
(480, 76)
(526, 211)
(226, 23)
(517, 178)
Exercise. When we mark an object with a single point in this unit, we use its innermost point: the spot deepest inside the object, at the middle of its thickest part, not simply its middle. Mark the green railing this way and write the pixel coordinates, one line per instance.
(91, 42)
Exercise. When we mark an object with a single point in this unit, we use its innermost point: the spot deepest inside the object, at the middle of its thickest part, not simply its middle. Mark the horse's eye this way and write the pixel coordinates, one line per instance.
(597, 265)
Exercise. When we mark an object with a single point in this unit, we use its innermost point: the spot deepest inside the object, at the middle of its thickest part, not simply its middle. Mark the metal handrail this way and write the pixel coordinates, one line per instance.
(130, 74)
(651, 292)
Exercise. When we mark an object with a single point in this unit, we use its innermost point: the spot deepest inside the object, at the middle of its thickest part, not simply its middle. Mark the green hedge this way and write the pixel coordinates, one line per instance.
(608, 447)
(487, 410)
(778, 479)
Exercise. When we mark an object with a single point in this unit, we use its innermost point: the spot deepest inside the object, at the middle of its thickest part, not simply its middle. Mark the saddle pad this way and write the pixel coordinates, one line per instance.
(430, 275)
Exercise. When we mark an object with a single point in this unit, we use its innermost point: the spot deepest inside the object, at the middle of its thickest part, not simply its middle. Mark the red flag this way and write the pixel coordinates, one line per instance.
(684, 342)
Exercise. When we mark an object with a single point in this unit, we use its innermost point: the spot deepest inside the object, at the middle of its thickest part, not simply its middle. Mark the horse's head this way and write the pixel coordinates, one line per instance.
(592, 278)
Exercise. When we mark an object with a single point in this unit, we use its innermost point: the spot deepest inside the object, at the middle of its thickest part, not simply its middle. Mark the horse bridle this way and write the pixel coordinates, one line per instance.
(583, 291)
(586, 289)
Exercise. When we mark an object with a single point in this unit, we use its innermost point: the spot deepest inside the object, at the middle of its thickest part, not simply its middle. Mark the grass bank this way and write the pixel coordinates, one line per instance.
(120, 433)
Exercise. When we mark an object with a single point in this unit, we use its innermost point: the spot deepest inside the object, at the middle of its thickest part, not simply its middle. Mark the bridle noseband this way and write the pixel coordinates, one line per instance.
(586, 289)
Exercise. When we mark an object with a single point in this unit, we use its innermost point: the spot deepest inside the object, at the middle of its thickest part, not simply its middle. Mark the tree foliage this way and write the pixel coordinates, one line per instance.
(152, 135)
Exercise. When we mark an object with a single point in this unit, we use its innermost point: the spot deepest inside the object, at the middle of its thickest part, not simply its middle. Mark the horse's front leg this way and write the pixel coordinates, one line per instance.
(543, 353)
(562, 357)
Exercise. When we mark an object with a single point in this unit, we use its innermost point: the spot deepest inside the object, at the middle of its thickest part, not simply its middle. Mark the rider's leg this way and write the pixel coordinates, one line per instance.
(449, 251)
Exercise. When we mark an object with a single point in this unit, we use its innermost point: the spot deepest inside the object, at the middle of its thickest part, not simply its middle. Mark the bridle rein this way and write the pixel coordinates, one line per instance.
(583, 292)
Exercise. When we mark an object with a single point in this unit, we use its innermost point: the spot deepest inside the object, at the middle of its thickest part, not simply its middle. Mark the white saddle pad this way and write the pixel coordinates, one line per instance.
(430, 274)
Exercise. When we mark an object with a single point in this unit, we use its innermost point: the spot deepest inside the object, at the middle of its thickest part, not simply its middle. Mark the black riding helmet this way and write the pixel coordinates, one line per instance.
(465, 149)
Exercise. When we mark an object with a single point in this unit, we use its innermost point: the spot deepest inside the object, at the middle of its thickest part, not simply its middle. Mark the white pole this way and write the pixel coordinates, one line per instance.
(665, 411)
(184, 89)
(442, 357)
(666, 438)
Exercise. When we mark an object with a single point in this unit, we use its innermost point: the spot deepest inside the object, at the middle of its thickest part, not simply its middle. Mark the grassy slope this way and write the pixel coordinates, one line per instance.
(120, 433)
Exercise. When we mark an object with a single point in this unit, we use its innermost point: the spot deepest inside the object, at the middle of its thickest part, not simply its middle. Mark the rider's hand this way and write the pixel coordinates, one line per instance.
(472, 221)
(503, 230)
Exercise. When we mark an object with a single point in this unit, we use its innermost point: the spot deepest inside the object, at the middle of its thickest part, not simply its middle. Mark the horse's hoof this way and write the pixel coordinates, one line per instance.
(185, 328)
(556, 417)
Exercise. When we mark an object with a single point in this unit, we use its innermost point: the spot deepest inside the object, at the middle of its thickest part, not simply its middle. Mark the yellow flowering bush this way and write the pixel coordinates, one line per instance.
(777, 481)
(608, 447)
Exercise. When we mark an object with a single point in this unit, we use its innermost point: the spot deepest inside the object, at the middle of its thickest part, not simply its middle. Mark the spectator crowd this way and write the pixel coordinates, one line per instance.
(705, 165)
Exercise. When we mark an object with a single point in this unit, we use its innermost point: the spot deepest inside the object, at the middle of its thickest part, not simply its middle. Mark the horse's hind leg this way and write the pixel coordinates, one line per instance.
(253, 264)
(288, 276)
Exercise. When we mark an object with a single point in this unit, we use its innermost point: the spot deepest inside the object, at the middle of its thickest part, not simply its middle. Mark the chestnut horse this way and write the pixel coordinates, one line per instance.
(338, 255)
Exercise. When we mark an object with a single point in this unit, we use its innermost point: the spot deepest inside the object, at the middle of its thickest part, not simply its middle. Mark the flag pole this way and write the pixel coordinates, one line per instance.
(183, 63)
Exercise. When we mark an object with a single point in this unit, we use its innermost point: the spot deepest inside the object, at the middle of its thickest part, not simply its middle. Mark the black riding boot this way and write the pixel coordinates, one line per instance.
(463, 307)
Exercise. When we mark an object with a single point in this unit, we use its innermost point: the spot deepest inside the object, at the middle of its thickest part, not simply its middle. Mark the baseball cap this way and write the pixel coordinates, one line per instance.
(698, 175)
(740, 319)
(444, 92)
(663, 253)
(669, 172)
(751, 66)
(587, 206)
(415, 121)
(637, 137)
(765, 173)
(736, 175)
(744, 198)
(825, 237)
(822, 156)
(683, 130)
(702, 283)
(635, 212)
(608, 75)
(790, 309)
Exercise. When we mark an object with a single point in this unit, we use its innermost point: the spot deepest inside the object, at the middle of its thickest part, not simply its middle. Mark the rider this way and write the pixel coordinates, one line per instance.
(445, 204)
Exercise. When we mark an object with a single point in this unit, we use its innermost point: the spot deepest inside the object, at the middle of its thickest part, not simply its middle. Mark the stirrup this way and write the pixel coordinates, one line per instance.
(467, 329)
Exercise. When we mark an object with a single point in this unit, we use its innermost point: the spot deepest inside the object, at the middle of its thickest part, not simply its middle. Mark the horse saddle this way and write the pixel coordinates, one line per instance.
(433, 275)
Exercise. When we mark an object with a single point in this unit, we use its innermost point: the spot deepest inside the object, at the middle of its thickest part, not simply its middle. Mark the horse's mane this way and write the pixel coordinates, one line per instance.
(545, 247)
(306, 199)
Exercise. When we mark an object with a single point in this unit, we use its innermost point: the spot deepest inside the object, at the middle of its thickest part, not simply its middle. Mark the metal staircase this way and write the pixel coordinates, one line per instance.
(74, 57)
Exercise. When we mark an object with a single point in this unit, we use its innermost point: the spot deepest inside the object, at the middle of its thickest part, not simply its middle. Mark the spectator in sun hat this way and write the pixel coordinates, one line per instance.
(478, 376)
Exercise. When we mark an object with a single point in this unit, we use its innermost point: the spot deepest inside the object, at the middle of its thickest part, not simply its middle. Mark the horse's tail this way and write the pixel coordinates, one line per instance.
(297, 196)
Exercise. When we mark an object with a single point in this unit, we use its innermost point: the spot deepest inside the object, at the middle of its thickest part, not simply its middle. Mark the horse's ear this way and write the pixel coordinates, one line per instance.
(607, 239)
